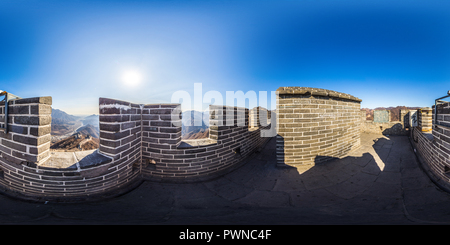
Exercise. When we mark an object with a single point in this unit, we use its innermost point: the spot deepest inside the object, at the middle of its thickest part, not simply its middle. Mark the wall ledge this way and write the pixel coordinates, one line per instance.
(316, 91)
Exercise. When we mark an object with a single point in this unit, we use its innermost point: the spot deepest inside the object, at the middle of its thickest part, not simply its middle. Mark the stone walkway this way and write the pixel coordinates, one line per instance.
(379, 183)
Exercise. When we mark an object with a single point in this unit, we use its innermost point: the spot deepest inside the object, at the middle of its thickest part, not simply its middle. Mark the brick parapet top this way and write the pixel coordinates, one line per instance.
(35, 100)
(316, 91)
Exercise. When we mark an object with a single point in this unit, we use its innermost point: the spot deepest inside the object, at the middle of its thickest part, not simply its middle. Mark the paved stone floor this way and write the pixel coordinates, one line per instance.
(379, 183)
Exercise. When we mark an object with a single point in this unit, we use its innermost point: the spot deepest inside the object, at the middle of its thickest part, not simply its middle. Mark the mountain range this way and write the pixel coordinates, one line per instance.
(91, 120)
(76, 142)
(60, 117)
(73, 133)
(190, 119)
(65, 126)
(89, 129)
(63, 123)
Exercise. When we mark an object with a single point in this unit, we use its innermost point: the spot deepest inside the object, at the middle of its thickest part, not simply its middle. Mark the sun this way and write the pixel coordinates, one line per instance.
(131, 77)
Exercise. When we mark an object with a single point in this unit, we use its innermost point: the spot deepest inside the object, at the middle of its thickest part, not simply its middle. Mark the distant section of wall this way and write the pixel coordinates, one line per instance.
(315, 125)
(382, 124)
(381, 116)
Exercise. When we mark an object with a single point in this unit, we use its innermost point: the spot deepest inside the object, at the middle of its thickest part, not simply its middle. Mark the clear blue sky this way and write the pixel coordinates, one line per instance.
(387, 53)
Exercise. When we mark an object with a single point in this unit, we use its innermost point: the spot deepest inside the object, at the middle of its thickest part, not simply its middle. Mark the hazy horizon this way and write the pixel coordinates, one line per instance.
(383, 52)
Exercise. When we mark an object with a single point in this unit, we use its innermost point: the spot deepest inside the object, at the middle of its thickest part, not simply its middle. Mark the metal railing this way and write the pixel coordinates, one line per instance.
(6, 99)
(437, 102)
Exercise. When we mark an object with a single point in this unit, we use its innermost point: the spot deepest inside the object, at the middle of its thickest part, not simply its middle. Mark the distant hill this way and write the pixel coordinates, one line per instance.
(60, 117)
(76, 142)
(89, 130)
(395, 111)
(63, 123)
(92, 120)
(201, 134)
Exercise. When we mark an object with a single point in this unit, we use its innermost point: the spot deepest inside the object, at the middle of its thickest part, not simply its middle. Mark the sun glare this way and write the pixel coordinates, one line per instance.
(131, 77)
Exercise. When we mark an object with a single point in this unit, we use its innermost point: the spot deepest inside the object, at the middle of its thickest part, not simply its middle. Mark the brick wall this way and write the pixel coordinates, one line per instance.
(443, 114)
(315, 125)
(168, 158)
(69, 184)
(120, 137)
(29, 126)
(135, 141)
(434, 147)
(27, 141)
(120, 129)
(255, 117)
(26, 148)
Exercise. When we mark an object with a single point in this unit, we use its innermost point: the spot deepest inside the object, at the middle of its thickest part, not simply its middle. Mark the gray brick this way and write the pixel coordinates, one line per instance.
(114, 136)
(18, 129)
(114, 118)
(168, 141)
(160, 123)
(13, 145)
(110, 127)
(26, 157)
(113, 151)
(40, 131)
(128, 139)
(41, 109)
(109, 143)
(32, 141)
(109, 110)
(19, 109)
(161, 111)
(128, 125)
(39, 150)
(5, 149)
(41, 100)
(33, 120)
(159, 135)
(152, 106)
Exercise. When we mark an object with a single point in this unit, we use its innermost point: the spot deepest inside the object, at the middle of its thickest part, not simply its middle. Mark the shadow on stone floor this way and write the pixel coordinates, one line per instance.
(371, 185)
(368, 180)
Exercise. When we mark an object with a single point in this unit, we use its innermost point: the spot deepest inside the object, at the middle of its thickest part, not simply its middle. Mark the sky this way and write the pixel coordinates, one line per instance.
(387, 53)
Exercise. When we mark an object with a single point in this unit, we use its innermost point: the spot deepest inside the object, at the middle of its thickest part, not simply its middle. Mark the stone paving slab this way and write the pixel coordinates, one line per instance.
(61, 160)
(379, 183)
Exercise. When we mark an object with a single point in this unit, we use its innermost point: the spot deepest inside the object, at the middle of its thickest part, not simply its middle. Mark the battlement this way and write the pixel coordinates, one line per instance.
(137, 142)
(140, 142)
(149, 136)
